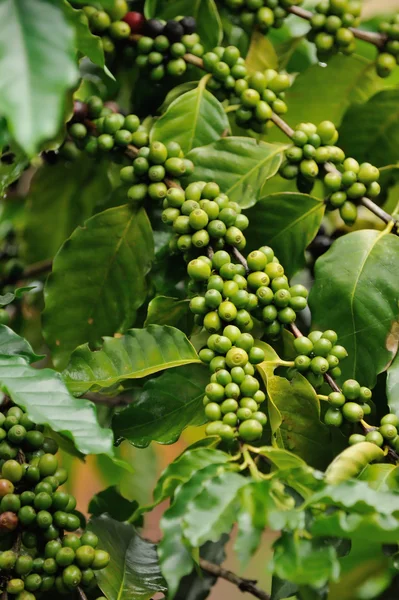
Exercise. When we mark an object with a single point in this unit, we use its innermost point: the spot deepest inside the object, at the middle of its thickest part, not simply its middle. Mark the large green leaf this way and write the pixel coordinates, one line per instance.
(364, 527)
(11, 344)
(326, 92)
(393, 385)
(133, 572)
(174, 556)
(164, 408)
(45, 397)
(38, 66)
(11, 172)
(163, 310)
(294, 411)
(261, 54)
(60, 199)
(287, 222)
(110, 501)
(355, 293)
(213, 510)
(371, 131)
(194, 119)
(98, 280)
(209, 26)
(87, 44)
(383, 477)
(239, 165)
(138, 353)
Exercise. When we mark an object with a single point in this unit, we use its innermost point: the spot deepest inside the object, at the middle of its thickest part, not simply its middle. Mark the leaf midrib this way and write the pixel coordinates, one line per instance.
(257, 166)
(320, 204)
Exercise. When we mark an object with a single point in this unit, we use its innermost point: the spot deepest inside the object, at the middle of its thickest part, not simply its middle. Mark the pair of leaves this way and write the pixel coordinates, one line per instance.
(194, 119)
(103, 265)
(38, 66)
(288, 222)
(355, 293)
(240, 166)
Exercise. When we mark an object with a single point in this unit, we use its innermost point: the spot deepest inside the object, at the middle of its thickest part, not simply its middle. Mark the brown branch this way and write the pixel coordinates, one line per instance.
(81, 594)
(245, 585)
(36, 269)
(121, 400)
(281, 124)
(241, 259)
(4, 595)
(377, 39)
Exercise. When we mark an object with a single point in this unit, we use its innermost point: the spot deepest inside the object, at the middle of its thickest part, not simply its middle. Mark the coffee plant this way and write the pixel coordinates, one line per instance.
(199, 246)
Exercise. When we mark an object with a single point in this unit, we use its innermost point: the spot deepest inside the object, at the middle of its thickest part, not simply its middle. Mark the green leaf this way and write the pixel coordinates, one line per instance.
(43, 394)
(194, 119)
(163, 310)
(355, 80)
(234, 35)
(263, 504)
(213, 510)
(174, 556)
(182, 469)
(393, 385)
(61, 198)
(11, 344)
(11, 172)
(240, 166)
(294, 412)
(261, 54)
(87, 44)
(363, 315)
(133, 573)
(164, 408)
(303, 561)
(103, 266)
(38, 66)
(112, 502)
(209, 26)
(383, 477)
(137, 354)
(376, 527)
(371, 131)
(282, 459)
(288, 222)
(9, 297)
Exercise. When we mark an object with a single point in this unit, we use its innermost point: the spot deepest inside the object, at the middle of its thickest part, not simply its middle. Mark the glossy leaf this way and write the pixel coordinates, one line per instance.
(362, 314)
(209, 27)
(288, 222)
(61, 198)
(103, 265)
(304, 561)
(164, 408)
(137, 354)
(194, 119)
(174, 556)
(43, 394)
(355, 80)
(282, 459)
(294, 412)
(163, 310)
(87, 44)
(239, 165)
(371, 131)
(38, 66)
(261, 54)
(11, 344)
(133, 573)
(112, 502)
(383, 477)
(213, 510)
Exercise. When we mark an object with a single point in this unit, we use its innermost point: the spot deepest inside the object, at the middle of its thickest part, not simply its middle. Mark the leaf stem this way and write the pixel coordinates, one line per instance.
(245, 585)
(249, 461)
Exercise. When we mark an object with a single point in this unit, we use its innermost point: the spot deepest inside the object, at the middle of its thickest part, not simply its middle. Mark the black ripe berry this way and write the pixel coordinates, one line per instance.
(189, 24)
(174, 31)
(153, 27)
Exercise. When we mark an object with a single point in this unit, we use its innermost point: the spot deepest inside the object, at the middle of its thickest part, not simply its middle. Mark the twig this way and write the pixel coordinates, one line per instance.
(122, 400)
(241, 259)
(245, 585)
(377, 39)
(81, 593)
(4, 595)
(281, 124)
(38, 268)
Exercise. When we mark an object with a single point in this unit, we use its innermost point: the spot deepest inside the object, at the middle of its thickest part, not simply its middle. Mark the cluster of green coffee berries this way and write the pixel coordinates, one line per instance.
(261, 13)
(37, 555)
(200, 215)
(330, 26)
(109, 24)
(227, 66)
(351, 404)
(350, 185)
(97, 128)
(312, 147)
(161, 50)
(317, 354)
(388, 57)
(386, 433)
